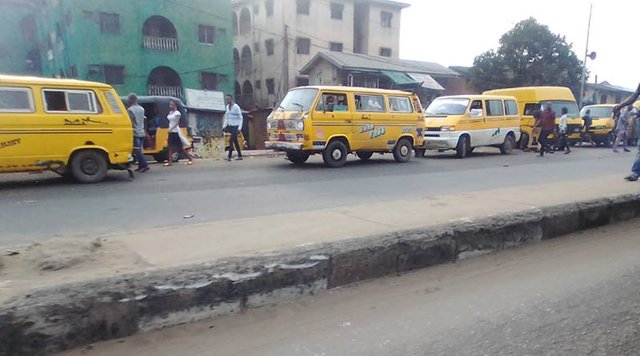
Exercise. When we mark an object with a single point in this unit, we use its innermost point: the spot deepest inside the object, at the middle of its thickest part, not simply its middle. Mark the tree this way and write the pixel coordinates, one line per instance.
(528, 55)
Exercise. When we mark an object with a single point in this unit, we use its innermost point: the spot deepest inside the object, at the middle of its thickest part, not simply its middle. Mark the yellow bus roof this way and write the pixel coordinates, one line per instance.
(355, 89)
(535, 94)
(478, 97)
(26, 80)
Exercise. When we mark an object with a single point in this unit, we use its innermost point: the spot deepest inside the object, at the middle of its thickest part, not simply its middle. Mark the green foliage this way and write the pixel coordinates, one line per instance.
(528, 55)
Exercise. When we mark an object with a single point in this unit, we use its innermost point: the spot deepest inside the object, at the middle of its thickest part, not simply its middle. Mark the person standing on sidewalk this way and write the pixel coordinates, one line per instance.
(136, 113)
(562, 131)
(233, 125)
(622, 129)
(546, 124)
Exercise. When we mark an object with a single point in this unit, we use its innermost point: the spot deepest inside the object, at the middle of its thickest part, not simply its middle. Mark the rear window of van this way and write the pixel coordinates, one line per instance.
(16, 100)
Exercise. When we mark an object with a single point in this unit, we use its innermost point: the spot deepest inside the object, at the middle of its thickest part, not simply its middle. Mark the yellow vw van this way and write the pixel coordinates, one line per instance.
(602, 125)
(464, 122)
(531, 99)
(74, 128)
(336, 121)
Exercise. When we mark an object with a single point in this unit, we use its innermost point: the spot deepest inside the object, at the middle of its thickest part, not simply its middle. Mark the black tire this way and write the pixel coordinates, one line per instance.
(163, 156)
(420, 152)
(402, 151)
(89, 166)
(524, 141)
(298, 158)
(364, 155)
(335, 154)
(610, 140)
(508, 145)
(462, 149)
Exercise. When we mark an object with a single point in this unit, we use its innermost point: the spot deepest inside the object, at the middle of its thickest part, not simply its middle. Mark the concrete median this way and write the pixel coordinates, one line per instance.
(46, 320)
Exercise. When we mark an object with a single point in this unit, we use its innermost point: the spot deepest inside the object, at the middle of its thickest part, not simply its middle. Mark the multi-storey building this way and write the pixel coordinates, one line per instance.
(155, 47)
(274, 39)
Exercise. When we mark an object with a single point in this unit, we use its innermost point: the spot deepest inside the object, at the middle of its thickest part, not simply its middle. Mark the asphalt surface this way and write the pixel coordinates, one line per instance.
(576, 295)
(41, 206)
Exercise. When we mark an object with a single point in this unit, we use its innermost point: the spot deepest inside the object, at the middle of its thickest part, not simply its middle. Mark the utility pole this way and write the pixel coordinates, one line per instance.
(586, 55)
(285, 62)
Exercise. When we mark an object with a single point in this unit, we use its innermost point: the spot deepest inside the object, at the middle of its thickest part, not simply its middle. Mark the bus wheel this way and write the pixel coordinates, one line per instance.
(402, 151)
(524, 141)
(335, 154)
(364, 155)
(297, 158)
(462, 150)
(507, 146)
(89, 166)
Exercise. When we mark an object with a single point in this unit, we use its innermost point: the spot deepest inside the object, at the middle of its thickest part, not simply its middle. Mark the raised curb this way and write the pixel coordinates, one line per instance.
(67, 316)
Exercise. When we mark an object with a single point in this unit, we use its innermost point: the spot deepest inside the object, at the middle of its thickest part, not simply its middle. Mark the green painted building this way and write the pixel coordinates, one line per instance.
(19, 42)
(151, 47)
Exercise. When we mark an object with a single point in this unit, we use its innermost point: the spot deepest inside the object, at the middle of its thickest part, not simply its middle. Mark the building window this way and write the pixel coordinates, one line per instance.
(258, 85)
(303, 7)
(603, 99)
(302, 81)
(29, 29)
(269, 45)
(208, 81)
(256, 47)
(256, 9)
(271, 86)
(385, 52)
(114, 75)
(337, 10)
(73, 72)
(268, 6)
(335, 46)
(385, 19)
(110, 23)
(206, 34)
(303, 45)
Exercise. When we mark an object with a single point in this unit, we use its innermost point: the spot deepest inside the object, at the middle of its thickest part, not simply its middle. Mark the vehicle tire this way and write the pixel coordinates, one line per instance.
(402, 151)
(508, 145)
(610, 140)
(89, 166)
(335, 154)
(524, 141)
(298, 158)
(462, 150)
(364, 155)
(420, 152)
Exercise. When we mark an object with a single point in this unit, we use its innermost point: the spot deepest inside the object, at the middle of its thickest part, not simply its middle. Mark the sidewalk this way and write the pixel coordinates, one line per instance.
(77, 260)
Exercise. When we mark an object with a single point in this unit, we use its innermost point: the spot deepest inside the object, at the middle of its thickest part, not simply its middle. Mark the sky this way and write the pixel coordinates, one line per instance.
(454, 32)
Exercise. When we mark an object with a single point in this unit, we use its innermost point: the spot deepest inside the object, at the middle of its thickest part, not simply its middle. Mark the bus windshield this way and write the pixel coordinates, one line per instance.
(298, 100)
(448, 106)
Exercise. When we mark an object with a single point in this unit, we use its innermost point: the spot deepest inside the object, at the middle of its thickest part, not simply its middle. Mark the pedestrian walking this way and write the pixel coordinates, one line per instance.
(547, 125)
(622, 129)
(562, 131)
(587, 121)
(535, 131)
(174, 142)
(136, 113)
(233, 125)
(635, 169)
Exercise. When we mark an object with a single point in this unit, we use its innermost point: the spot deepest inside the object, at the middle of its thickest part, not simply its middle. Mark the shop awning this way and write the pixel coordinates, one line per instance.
(399, 78)
(427, 81)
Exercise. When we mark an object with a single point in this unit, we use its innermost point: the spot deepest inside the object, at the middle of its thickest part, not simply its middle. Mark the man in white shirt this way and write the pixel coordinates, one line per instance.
(233, 124)
(563, 131)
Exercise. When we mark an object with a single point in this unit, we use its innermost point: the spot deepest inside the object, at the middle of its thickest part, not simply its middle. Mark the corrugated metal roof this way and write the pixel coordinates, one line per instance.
(427, 81)
(609, 87)
(354, 61)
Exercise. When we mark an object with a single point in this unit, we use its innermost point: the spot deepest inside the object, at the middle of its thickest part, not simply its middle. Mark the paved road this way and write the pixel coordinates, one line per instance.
(577, 295)
(37, 207)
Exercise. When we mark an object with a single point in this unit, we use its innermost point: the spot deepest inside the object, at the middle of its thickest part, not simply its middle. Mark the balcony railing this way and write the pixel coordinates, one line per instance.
(161, 90)
(160, 43)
